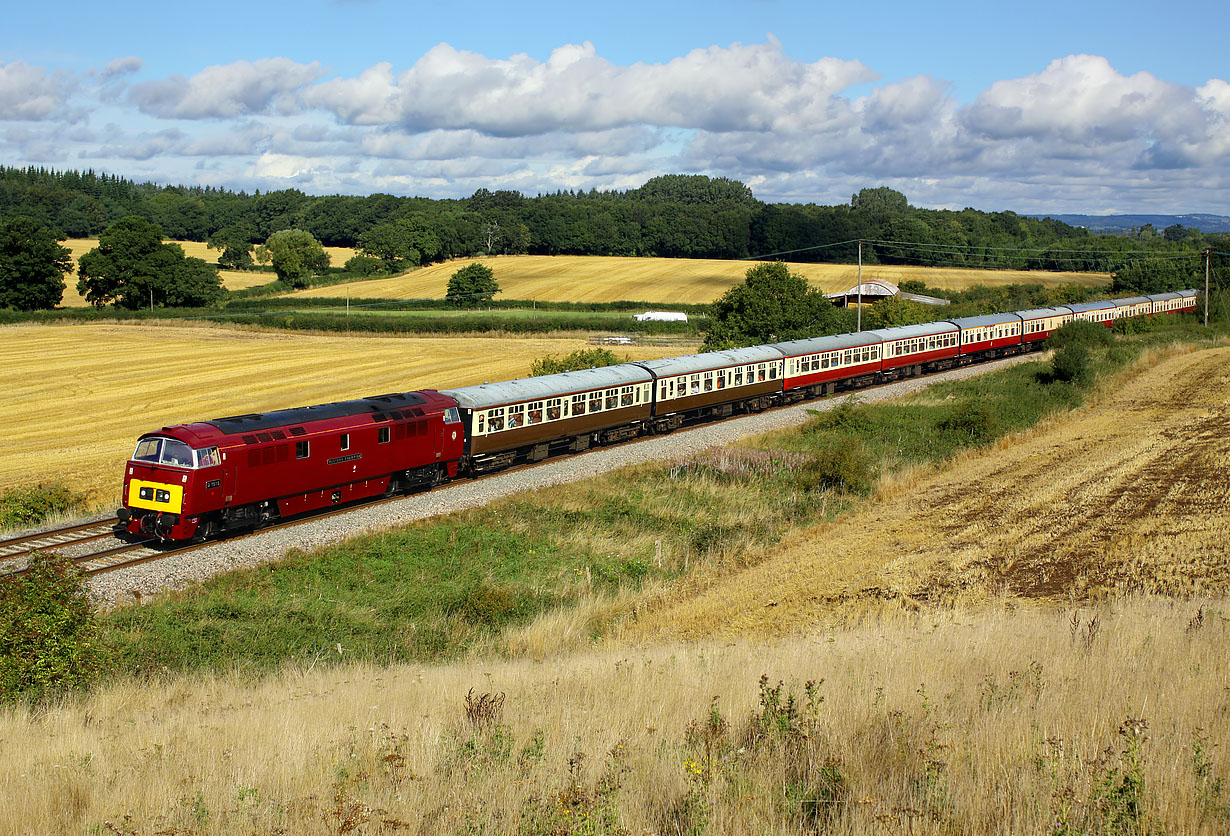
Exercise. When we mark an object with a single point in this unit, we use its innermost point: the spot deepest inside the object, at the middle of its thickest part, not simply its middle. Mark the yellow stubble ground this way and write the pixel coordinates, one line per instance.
(1129, 493)
(664, 280)
(231, 279)
(77, 396)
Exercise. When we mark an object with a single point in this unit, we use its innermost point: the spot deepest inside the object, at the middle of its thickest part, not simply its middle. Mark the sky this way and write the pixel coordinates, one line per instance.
(1083, 107)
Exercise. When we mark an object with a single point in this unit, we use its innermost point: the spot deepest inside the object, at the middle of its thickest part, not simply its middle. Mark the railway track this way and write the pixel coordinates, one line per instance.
(94, 547)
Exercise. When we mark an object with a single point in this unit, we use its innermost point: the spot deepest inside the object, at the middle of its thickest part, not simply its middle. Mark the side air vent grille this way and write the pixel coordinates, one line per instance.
(249, 439)
(298, 431)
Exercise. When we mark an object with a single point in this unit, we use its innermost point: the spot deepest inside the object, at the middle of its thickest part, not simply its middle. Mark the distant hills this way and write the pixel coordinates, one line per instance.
(1118, 224)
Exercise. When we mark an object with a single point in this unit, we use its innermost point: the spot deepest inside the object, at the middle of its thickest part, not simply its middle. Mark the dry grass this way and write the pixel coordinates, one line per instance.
(1128, 493)
(666, 280)
(77, 396)
(959, 721)
(231, 279)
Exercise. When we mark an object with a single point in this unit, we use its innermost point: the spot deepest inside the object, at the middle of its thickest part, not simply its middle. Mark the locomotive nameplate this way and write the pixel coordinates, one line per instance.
(351, 458)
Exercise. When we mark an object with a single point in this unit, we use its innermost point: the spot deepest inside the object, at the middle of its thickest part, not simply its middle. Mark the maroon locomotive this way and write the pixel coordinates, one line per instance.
(195, 480)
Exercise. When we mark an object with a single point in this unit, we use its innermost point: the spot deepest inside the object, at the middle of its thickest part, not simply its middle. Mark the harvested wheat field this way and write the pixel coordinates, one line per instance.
(231, 279)
(665, 280)
(77, 396)
(1129, 493)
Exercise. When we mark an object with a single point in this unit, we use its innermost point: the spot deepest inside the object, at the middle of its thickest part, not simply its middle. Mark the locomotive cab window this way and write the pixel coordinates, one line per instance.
(208, 457)
(302, 449)
(452, 415)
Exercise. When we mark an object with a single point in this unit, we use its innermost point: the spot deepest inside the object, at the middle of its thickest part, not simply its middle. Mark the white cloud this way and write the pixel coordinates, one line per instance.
(754, 87)
(121, 67)
(226, 91)
(31, 93)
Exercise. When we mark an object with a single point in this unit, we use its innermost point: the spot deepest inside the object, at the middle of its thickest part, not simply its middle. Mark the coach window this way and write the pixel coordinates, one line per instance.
(553, 409)
(626, 396)
(302, 449)
(515, 416)
(495, 420)
(534, 415)
(595, 401)
(708, 378)
(382, 435)
(578, 405)
(345, 438)
(612, 399)
(721, 379)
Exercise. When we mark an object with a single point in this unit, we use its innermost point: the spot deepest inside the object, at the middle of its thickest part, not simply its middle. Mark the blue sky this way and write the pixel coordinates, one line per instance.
(1066, 107)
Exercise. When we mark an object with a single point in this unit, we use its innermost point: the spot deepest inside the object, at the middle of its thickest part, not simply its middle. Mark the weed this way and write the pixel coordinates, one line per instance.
(484, 712)
(579, 809)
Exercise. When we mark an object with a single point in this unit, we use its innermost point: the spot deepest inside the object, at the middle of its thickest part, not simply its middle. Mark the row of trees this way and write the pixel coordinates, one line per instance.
(670, 216)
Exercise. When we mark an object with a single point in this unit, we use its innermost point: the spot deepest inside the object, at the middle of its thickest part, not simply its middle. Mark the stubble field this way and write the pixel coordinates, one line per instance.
(1127, 494)
(77, 397)
(231, 279)
(664, 280)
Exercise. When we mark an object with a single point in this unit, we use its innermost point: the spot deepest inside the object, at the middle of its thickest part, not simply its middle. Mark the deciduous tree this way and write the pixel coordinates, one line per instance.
(771, 305)
(471, 285)
(132, 267)
(32, 265)
(296, 256)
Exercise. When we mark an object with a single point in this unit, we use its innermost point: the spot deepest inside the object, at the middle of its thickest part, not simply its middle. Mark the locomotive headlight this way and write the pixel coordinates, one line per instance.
(162, 496)
(148, 493)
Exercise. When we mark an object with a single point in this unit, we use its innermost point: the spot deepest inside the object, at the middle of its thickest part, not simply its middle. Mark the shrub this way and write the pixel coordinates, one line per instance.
(971, 421)
(841, 465)
(1080, 332)
(29, 506)
(1071, 363)
(586, 358)
(49, 640)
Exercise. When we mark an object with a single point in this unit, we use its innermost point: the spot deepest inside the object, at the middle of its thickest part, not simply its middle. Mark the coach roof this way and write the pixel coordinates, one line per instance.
(696, 363)
(909, 332)
(548, 386)
(816, 345)
(985, 320)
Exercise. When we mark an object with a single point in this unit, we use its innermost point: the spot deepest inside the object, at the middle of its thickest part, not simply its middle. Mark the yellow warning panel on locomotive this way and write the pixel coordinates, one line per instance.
(155, 496)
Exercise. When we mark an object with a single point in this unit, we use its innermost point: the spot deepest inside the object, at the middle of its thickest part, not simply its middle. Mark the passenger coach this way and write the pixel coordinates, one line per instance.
(820, 365)
(910, 350)
(530, 419)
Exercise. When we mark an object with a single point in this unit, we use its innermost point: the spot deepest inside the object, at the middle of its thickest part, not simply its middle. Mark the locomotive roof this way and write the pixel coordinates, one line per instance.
(303, 414)
(815, 345)
(694, 363)
(1041, 313)
(985, 319)
(548, 386)
(907, 332)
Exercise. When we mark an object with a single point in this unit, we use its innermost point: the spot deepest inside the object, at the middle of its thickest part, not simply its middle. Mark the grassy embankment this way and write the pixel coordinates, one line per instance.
(437, 589)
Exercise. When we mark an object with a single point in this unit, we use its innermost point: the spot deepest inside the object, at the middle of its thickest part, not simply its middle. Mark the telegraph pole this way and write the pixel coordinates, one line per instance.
(1208, 254)
(860, 286)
